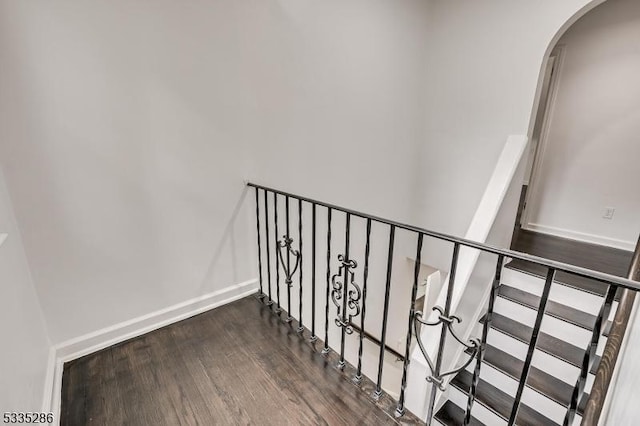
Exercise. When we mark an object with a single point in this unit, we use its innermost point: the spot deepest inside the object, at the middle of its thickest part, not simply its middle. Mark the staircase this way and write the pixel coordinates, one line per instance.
(322, 267)
(565, 333)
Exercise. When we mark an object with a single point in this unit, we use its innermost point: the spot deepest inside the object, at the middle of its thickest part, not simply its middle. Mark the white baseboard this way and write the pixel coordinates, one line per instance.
(49, 380)
(100, 339)
(580, 236)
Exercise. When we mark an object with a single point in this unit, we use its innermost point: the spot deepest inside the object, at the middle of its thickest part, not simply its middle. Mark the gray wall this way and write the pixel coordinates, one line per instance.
(25, 345)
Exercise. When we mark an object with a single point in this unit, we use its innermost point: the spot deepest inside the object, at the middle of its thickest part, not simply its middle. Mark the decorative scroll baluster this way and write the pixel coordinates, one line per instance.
(350, 303)
(589, 354)
(275, 220)
(358, 376)
(400, 410)
(345, 293)
(483, 343)
(385, 314)
(288, 282)
(447, 320)
(287, 243)
(326, 349)
(261, 295)
(532, 345)
(300, 326)
(313, 274)
(266, 225)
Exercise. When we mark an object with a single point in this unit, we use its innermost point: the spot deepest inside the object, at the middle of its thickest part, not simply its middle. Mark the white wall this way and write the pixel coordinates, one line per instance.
(592, 147)
(128, 128)
(124, 134)
(342, 109)
(25, 344)
(484, 64)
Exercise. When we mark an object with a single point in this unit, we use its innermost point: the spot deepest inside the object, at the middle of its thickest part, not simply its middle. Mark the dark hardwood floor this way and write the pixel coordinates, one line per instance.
(237, 364)
(599, 258)
(592, 256)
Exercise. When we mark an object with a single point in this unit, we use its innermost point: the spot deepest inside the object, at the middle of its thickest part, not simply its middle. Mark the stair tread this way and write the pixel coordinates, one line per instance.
(566, 313)
(498, 401)
(538, 380)
(546, 343)
(452, 415)
(570, 280)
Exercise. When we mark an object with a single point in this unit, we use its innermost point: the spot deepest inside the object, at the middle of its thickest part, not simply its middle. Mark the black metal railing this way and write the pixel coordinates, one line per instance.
(349, 295)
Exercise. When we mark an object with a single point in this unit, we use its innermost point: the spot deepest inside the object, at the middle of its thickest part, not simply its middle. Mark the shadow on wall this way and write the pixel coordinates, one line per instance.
(228, 239)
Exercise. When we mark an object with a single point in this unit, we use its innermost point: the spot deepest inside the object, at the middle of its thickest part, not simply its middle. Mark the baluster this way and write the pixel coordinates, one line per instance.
(400, 410)
(275, 219)
(378, 392)
(326, 349)
(266, 224)
(288, 238)
(300, 326)
(345, 288)
(589, 354)
(313, 274)
(358, 377)
(532, 345)
(436, 377)
(483, 343)
(261, 295)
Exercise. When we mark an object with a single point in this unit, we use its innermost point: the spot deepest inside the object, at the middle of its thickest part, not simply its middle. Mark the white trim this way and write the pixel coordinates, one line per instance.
(3, 237)
(501, 180)
(49, 380)
(108, 336)
(533, 192)
(580, 236)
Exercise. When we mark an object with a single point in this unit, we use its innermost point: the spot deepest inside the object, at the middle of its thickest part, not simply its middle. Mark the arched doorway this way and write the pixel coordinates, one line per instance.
(584, 129)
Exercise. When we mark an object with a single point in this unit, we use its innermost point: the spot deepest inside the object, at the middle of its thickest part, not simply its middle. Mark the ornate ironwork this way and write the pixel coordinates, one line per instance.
(473, 346)
(286, 242)
(346, 312)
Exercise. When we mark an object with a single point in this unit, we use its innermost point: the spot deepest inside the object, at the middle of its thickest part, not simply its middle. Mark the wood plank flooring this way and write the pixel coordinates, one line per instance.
(599, 258)
(237, 364)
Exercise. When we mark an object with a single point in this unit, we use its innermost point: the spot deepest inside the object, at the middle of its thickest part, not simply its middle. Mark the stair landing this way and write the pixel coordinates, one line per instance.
(236, 364)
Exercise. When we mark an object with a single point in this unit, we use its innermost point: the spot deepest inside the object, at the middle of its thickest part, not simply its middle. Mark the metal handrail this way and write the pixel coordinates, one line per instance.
(344, 291)
(560, 266)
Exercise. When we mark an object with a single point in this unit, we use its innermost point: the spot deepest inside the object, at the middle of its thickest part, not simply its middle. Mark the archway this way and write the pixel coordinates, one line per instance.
(582, 130)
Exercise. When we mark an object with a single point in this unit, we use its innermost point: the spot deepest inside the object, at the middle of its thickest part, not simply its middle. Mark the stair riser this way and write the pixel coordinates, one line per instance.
(560, 293)
(556, 367)
(548, 363)
(555, 327)
(478, 411)
(530, 397)
(485, 415)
